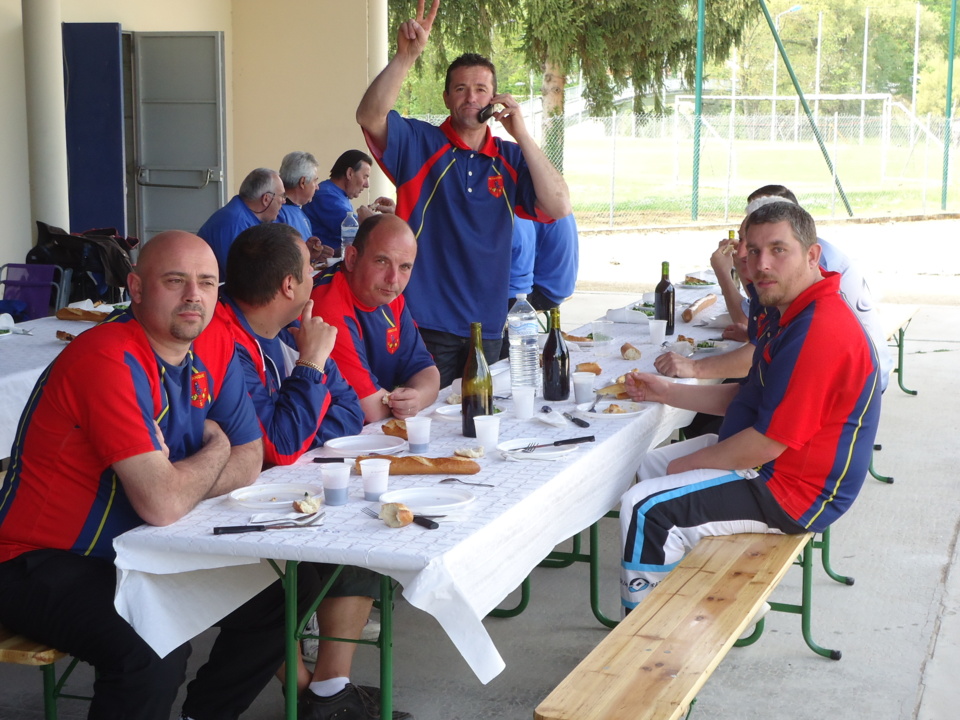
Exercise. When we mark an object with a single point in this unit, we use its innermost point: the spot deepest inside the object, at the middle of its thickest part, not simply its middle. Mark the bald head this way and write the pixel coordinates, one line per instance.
(174, 291)
(379, 263)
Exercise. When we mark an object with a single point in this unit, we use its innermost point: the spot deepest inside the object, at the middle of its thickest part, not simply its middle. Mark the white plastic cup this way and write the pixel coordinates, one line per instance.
(488, 431)
(375, 473)
(523, 398)
(583, 386)
(602, 338)
(418, 434)
(658, 332)
(336, 481)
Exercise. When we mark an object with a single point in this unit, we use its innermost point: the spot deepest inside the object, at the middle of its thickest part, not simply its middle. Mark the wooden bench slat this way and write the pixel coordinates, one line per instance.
(22, 651)
(651, 666)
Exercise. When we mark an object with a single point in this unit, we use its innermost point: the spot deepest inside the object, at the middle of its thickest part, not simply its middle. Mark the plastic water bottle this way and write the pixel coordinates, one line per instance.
(348, 231)
(522, 332)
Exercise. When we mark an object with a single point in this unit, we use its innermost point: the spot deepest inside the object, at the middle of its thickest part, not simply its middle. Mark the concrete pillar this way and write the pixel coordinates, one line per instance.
(46, 112)
(377, 44)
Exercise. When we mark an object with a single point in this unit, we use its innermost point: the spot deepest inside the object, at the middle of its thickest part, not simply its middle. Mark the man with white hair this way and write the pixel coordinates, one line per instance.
(259, 200)
(299, 172)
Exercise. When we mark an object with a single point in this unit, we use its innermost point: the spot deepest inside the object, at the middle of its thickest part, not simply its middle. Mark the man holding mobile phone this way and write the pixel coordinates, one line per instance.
(458, 187)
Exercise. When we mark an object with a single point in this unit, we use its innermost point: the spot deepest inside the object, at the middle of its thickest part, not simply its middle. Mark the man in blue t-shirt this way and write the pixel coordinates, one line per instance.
(299, 174)
(259, 200)
(459, 189)
(349, 177)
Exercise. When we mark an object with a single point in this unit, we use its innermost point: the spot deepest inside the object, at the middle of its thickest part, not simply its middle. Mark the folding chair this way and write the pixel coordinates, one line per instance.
(41, 287)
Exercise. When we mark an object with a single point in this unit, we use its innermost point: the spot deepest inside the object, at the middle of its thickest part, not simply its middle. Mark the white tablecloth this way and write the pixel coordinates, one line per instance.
(457, 573)
(22, 359)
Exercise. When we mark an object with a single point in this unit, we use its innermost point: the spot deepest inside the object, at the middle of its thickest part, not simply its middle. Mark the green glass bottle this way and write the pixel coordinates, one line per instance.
(477, 393)
(556, 362)
(664, 298)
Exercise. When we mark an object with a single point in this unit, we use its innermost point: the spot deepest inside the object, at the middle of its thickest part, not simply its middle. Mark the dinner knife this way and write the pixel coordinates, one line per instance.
(556, 443)
(425, 522)
(576, 420)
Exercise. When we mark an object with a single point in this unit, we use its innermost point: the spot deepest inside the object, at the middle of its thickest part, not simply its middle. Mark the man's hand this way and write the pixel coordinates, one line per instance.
(318, 251)
(413, 34)
(644, 387)
(737, 332)
(315, 338)
(384, 205)
(405, 402)
(510, 116)
(723, 257)
(213, 435)
(163, 443)
(675, 365)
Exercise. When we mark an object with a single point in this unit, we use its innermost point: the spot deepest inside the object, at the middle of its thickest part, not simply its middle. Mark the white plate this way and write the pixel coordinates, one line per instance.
(709, 286)
(273, 497)
(514, 446)
(718, 346)
(431, 500)
(633, 409)
(355, 445)
(719, 321)
(452, 412)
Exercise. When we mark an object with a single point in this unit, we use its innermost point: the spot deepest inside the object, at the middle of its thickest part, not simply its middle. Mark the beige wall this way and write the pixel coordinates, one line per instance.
(295, 71)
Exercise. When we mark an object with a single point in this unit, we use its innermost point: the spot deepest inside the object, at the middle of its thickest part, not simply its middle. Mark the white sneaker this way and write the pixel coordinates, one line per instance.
(764, 609)
(309, 646)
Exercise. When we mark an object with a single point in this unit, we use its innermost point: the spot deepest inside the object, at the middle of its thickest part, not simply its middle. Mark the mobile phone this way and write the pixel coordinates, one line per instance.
(486, 113)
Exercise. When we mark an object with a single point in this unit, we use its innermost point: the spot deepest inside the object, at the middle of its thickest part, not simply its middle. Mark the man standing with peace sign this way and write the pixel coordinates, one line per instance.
(458, 187)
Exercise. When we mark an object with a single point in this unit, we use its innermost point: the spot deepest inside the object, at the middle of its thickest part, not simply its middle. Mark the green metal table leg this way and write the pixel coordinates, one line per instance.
(386, 647)
(882, 478)
(595, 578)
(823, 545)
(520, 606)
(564, 559)
(899, 368)
(291, 620)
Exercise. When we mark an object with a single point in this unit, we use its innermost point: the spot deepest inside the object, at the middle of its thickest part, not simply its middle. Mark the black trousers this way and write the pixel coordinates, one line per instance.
(66, 600)
(450, 353)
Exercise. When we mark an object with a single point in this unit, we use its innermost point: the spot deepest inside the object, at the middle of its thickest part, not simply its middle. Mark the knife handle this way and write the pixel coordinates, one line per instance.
(233, 529)
(329, 460)
(576, 420)
(425, 522)
(574, 441)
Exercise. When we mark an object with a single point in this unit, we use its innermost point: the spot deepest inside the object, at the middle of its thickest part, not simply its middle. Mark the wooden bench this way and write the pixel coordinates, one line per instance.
(651, 666)
(18, 650)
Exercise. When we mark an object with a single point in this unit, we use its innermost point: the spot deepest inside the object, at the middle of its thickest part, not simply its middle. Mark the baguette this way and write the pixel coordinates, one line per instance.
(616, 390)
(65, 336)
(629, 352)
(590, 367)
(70, 313)
(704, 302)
(419, 465)
(396, 428)
(396, 514)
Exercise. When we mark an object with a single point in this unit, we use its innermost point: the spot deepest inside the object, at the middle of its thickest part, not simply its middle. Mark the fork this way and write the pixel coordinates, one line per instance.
(304, 521)
(570, 441)
(596, 399)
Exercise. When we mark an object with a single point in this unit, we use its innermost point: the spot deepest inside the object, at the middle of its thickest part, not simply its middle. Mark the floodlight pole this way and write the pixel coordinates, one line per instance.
(698, 112)
(806, 107)
(948, 131)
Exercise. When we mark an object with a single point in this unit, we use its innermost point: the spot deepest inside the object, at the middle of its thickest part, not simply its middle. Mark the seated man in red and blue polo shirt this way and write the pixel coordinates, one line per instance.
(797, 433)
(132, 424)
(378, 348)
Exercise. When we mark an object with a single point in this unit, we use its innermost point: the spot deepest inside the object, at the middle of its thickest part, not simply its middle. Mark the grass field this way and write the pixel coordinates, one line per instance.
(647, 181)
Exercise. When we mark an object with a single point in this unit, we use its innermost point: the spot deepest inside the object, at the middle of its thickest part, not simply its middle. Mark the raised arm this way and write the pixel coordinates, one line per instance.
(382, 94)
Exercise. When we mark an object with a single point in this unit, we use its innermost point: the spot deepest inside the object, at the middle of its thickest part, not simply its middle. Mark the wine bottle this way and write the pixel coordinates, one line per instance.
(477, 392)
(556, 362)
(664, 298)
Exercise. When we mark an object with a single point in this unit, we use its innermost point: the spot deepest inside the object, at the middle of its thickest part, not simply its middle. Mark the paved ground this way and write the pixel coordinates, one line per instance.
(898, 627)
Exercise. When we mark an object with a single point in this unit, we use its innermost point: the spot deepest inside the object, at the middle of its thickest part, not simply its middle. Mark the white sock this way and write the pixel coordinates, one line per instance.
(329, 687)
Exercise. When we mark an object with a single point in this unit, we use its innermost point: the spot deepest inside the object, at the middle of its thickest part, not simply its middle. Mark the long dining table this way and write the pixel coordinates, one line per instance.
(459, 572)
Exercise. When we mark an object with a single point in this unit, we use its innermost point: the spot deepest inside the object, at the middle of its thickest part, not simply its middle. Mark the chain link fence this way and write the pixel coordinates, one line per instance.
(628, 171)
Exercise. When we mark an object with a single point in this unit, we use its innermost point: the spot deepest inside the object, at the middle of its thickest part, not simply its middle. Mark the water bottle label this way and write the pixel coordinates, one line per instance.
(520, 327)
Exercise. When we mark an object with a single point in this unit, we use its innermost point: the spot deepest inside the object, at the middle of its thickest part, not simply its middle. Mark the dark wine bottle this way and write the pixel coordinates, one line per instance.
(664, 298)
(477, 392)
(556, 362)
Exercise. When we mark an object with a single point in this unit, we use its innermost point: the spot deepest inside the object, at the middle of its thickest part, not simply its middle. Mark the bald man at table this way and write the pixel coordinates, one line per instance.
(129, 425)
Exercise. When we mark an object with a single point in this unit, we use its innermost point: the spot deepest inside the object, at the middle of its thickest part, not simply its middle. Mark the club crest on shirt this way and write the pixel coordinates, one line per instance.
(495, 185)
(393, 339)
(199, 390)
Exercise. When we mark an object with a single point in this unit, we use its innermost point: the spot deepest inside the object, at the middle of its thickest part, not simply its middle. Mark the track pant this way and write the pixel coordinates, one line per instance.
(663, 516)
